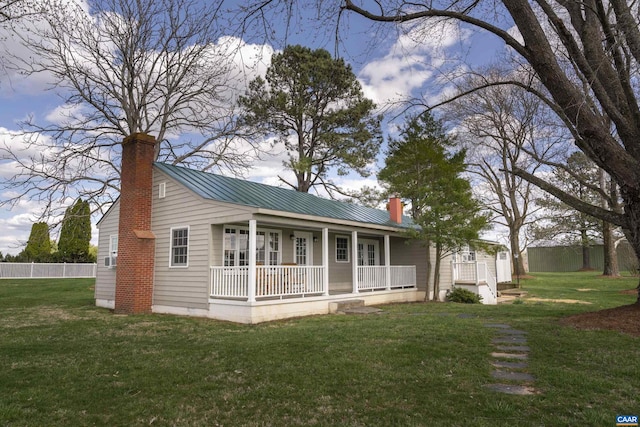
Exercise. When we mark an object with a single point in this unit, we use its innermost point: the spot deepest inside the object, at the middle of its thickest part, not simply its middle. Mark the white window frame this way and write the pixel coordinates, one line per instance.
(466, 254)
(171, 247)
(348, 239)
(113, 245)
(267, 251)
(162, 190)
(113, 251)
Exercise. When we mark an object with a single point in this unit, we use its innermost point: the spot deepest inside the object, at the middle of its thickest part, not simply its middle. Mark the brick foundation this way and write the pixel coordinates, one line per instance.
(136, 241)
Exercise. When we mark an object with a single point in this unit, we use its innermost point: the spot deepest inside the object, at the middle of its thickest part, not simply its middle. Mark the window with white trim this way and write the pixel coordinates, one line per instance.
(113, 245)
(466, 254)
(235, 246)
(112, 258)
(342, 249)
(179, 247)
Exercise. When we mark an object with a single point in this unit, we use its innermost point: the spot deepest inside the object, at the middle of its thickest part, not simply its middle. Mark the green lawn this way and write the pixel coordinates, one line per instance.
(66, 362)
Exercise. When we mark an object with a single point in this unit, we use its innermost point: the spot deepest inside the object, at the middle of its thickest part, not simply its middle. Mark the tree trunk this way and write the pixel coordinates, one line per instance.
(428, 267)
(516, 256)
(632, 212)
(611, 268)
(436, 273)
(586, 254)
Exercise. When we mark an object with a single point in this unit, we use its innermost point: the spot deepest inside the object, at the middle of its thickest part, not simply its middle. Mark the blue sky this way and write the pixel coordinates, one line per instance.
(390, 66)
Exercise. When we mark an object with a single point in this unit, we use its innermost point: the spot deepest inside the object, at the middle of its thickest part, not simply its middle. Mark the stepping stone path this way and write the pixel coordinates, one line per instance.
(510, 361)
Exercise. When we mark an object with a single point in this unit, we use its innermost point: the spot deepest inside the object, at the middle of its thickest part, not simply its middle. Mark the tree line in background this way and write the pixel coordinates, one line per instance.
(73, 245)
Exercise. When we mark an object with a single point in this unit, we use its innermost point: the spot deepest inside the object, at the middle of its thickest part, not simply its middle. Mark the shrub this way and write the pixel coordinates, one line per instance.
(463, 296)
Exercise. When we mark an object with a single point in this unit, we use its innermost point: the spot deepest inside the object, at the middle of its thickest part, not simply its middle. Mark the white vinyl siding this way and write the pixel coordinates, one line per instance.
(105, 288)
(186, 287)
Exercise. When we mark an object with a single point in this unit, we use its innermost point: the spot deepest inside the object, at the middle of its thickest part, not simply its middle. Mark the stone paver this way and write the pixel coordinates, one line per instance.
(521, 390)
(511, 339)
(512, 376)
(467, 316)
(510, 331)
(519, 356)
(511, 344)
(523, 348)
(509, 365)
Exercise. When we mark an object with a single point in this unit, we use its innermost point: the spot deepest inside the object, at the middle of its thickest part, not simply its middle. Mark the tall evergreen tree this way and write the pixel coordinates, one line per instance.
(314, 106)
(38, 247)
(75, 234)
(422, 169)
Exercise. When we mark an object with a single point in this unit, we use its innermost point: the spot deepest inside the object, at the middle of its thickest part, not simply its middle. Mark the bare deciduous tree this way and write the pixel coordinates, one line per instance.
(122, 67)
(14, 9)
(600, 41)
(500, 126)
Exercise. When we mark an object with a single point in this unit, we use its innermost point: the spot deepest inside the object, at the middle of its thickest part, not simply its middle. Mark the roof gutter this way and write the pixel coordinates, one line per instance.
(330, 220)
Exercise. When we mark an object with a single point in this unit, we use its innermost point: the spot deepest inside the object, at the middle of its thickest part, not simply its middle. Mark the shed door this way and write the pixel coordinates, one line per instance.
(503, 267)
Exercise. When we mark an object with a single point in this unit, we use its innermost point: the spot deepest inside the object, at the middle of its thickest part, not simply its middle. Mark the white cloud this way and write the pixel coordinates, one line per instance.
(421, 53)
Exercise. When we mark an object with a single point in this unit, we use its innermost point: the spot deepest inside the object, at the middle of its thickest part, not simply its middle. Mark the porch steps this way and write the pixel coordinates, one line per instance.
(503, 286)
(346, 306)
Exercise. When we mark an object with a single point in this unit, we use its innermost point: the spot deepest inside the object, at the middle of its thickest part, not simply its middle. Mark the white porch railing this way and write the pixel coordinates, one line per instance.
(372, 277)
(375, 277)
(403, 276)
(474, 272)
(271, 281)
(284, 280)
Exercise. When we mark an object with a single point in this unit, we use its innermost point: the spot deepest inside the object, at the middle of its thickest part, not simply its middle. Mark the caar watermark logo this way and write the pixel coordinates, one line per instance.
(627, 420)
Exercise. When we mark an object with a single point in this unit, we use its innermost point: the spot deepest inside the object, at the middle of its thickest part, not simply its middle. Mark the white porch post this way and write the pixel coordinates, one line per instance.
(325, 260)
(387, 261)
(252, 261)
(354, 260)
(477, 273)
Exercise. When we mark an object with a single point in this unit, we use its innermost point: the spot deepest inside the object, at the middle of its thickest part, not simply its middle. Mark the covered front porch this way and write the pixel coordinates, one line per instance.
(266, 286)
(253, 280)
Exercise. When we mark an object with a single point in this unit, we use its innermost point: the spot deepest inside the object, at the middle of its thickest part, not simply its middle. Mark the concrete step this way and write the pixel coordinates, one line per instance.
(342, 306)
(516, 292)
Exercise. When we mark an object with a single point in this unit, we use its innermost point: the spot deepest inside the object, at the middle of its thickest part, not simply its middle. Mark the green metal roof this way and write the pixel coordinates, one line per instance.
(232, 190)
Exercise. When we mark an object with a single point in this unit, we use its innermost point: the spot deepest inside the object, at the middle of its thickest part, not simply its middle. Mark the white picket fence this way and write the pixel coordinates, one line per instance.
(17, 270)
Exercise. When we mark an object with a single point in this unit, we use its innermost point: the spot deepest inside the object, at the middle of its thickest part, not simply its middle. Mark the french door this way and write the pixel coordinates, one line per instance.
(302, 248)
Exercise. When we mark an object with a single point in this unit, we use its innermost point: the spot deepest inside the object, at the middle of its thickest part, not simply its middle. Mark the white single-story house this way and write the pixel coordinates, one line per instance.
(241, 251)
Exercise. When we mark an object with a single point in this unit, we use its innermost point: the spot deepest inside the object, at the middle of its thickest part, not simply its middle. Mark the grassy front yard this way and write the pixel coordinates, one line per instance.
(66, 362)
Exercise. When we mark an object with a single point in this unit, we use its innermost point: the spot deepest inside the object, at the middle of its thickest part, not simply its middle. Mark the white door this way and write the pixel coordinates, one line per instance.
(368, 252)
(503, 267)
(303, 248)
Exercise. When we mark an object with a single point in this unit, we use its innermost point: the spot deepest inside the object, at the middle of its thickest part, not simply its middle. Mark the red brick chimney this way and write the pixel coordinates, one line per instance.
(395, 209)
(136, 241)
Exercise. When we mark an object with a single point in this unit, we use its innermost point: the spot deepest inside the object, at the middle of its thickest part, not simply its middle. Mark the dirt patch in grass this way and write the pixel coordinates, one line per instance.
(36, 316)
(565, 301)
(625, 319)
